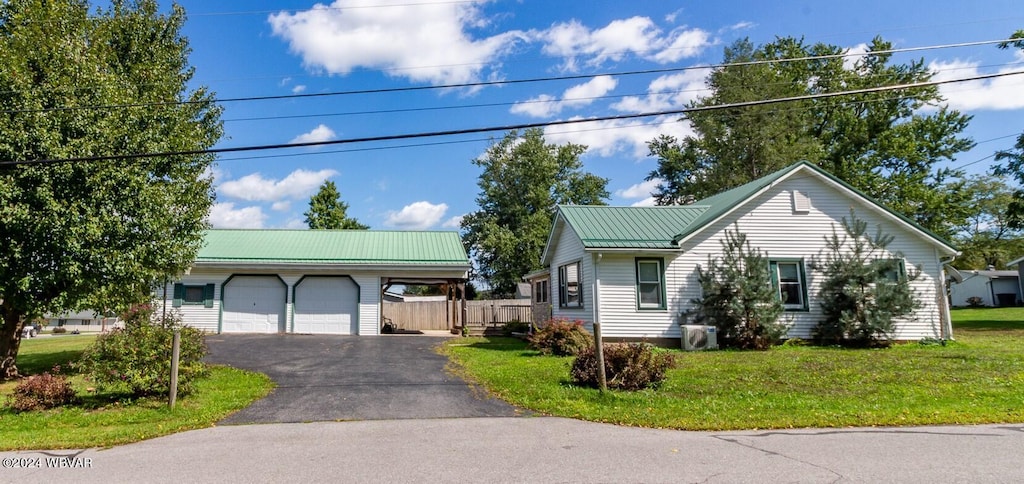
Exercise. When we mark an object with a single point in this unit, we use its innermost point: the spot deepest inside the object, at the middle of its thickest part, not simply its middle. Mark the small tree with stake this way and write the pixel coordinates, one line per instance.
(738, 296)
(865, 288)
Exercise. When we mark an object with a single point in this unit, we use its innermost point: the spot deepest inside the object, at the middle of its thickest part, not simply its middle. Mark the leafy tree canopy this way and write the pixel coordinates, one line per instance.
(1011, 162)
(989, 237)
(523, 179)
(881, 143)
(96, 235)
(327, 211)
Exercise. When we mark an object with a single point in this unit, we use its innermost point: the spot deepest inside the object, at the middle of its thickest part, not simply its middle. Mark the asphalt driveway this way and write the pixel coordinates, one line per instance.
(327, 378)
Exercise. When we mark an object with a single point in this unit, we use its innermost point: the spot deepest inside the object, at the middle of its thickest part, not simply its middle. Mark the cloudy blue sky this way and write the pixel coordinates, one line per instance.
(267, 48)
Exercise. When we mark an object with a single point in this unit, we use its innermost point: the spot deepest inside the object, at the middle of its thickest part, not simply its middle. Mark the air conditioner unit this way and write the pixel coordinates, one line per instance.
(697, 337)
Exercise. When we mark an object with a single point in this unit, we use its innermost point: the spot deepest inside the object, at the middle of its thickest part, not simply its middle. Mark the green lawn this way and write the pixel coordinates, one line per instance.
(100, 422)
(977, 379)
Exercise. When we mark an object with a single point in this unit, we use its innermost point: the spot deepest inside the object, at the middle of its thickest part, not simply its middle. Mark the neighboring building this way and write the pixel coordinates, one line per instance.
(635, 268)
(309, 281)
(991, 287)
(540, 303)
(83, 322)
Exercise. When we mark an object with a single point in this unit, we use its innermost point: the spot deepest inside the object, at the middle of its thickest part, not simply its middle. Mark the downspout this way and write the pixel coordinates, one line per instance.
(946, 329)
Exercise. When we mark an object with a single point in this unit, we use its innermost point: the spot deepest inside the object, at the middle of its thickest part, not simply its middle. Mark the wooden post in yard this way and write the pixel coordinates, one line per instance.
(175, 354)
(599, 353)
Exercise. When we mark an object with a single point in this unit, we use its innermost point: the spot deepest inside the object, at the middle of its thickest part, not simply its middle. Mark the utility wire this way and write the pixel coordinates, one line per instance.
(520, 126)
(507, 82)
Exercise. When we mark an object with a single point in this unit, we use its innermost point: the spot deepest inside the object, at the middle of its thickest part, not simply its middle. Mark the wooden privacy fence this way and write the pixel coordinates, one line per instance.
(498, 311)
(434, 315)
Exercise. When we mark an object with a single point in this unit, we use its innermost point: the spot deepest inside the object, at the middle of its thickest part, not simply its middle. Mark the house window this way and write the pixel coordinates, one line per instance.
(893, 270)
(570, 281)
(61, 323)
(193, 295)
(791, 282)
(540, 291)
(650, 283)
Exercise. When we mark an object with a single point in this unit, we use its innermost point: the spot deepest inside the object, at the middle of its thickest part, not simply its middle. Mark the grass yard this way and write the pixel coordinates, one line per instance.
(977, 379)
(98, 422)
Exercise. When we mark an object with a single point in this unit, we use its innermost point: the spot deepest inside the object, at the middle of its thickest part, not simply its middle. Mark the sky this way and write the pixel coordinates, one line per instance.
(273, 48)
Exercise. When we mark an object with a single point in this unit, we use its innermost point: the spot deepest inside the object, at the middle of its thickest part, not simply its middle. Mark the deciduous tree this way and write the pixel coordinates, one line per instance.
(523, 179)
(327, 211)
(96, 235)
(881, 143)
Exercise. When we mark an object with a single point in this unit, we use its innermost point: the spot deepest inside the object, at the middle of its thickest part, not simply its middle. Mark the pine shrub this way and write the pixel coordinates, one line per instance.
(627, 366)
(561, 338)
(40, 392)
(137, 358)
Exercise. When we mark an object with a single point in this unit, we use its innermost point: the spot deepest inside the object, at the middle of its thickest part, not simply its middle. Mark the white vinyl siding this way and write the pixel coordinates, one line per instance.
(196, 315)
(770, 225)
(570, 249)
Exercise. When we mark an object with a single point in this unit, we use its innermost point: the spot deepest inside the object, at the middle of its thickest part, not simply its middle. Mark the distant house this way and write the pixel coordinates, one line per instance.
(82, 321)
(635, 268)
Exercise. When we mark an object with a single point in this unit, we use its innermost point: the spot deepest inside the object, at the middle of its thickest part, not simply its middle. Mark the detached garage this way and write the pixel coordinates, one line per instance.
(308, 281)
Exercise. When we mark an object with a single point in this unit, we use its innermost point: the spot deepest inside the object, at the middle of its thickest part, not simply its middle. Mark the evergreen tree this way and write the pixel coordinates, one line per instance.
(327, 211)
(738, 296)
(864, 288)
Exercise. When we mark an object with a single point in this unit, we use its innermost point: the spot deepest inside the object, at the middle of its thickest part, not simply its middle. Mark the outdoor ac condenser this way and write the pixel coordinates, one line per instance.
(697, 337)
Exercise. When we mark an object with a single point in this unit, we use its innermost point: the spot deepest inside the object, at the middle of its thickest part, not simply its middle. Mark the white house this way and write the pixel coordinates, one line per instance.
(991, 287)
(634, 269)
(308, 281)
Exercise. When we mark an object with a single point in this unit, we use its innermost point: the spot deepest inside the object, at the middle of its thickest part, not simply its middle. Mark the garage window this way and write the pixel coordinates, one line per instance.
(193, 295)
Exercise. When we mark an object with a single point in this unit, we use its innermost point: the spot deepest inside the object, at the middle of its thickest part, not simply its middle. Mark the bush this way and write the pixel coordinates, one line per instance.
(975, 302)
(60, 330)
(40, 392)
(627, 366)
(561, 338)
(515, 327)
(137, 358)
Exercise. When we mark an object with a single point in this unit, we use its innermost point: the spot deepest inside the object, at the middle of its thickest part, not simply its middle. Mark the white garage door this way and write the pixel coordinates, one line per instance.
(253, 304)
(326, 305)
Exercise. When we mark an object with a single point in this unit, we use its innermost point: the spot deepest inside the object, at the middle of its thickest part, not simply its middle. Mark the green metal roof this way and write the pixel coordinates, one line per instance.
(602, 227)
(364, 247)
(629, 227)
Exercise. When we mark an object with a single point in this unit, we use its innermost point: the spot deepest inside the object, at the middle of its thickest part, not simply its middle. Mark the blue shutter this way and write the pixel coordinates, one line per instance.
(179, 294)
(208, 295)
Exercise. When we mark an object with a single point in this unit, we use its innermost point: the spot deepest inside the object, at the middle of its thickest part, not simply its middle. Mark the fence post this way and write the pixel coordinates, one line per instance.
(175, 355)
(599, 353)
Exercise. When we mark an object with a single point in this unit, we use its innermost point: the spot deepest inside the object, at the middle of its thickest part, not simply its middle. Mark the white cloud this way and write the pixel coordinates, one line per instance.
(295, 223)
(854, 54)
(319, 134)
(574, 42)
(647, 202)
(668, 92)
(298, 184)
(454, 222)
(424, 42)
(607, 138)
(299, 89)
(640, 190)
(1000, 93)
(224, 215)
(577, 96)
(282, 206)
(416, 216)
(671, 18)
(742, 25)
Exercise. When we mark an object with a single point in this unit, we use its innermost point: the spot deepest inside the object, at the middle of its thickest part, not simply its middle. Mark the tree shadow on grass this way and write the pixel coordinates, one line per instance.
(36, 363)
(501, 343)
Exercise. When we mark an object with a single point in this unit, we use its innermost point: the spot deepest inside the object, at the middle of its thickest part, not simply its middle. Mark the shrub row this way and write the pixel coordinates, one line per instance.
(627, 366)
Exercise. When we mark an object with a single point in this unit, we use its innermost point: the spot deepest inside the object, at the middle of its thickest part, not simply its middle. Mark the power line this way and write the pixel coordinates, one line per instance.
(520, 126)
(505, 82)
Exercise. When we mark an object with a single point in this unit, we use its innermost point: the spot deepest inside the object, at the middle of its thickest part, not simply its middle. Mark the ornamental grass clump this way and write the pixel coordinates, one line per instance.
(561, 338)
(627, 366)
(137, 358)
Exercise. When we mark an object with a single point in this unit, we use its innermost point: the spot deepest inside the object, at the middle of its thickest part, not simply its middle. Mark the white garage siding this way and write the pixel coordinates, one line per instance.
(369, 303)
(326, 305)
(254, 304)
(197, 315)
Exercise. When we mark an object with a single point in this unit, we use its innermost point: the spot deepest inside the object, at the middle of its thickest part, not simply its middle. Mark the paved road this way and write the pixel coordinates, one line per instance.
(328, 378)
(545, 449)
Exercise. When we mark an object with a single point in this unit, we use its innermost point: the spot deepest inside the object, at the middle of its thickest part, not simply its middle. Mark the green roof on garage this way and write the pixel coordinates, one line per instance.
(367, 247)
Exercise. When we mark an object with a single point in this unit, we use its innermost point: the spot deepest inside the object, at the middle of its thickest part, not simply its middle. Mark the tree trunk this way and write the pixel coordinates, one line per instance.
(10, 342)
